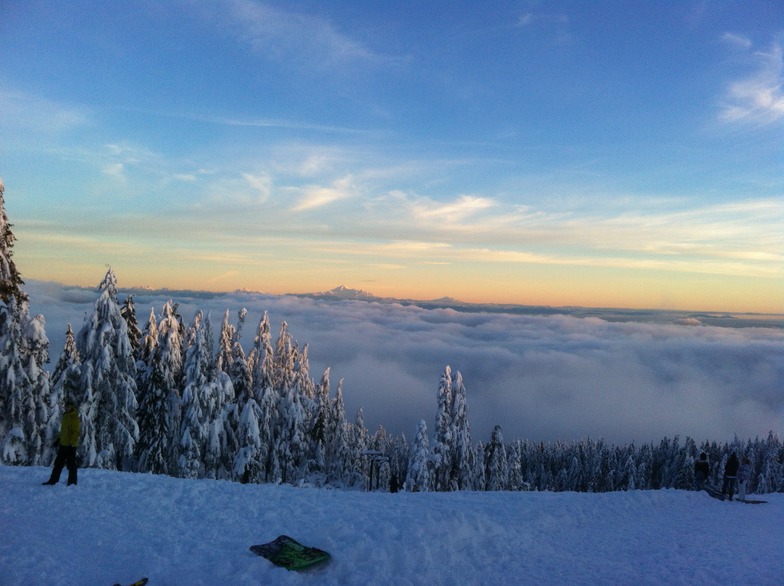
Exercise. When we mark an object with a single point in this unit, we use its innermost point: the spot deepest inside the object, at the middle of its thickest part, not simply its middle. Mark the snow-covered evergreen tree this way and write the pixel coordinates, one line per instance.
(128, 311)
(170, 346)
(480, 477)
(247, 466)
(65, 379)
(198, 371)
(359, 443)
(24, 350)
(151, 399)
(10, 280)
(14, 386)
(289, 432)
(292, 442)
(462, 469)
(240, 371)
(515, 456)
(338, 446)
(320, 429)
(496, 465)
(629, 473)
(262, 358)
(227, 334)
(108, 404)
(160, 378)
(261, 362)
(418, 477)
(221, 420)
(441, 452)
(770, 477)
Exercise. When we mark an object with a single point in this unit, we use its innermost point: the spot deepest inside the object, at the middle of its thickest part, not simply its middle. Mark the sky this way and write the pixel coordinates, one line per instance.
(601, 154)
(542, 377)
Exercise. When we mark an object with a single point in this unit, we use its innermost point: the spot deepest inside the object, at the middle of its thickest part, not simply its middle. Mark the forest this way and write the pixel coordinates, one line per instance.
(186, 399)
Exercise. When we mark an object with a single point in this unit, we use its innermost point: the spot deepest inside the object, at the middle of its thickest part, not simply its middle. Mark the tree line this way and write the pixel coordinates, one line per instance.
(165, 398)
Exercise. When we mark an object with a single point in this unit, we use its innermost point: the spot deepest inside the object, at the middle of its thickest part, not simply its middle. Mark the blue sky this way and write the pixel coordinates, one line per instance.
(563, 153)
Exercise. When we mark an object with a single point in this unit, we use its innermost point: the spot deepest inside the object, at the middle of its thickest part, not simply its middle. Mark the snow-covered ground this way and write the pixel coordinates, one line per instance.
(118, 527)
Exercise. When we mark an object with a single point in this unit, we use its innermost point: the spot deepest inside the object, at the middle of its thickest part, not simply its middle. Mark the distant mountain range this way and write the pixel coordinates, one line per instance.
(343, 293)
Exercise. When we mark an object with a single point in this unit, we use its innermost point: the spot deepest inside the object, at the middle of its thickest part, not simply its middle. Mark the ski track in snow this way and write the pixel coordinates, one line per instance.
(120, 526)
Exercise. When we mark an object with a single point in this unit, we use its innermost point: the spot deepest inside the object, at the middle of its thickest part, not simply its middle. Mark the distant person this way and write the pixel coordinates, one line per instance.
(70, 427)
(701, 471)
(744, 474)
(730, 475)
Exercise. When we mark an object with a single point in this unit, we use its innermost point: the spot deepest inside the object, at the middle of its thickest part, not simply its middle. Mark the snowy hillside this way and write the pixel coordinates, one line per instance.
(118, 527)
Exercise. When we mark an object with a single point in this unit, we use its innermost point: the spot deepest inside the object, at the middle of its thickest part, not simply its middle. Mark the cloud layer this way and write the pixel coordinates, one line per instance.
(542, 377)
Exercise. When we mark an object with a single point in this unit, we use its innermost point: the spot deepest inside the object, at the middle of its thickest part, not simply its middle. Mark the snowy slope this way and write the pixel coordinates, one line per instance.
(119, 527)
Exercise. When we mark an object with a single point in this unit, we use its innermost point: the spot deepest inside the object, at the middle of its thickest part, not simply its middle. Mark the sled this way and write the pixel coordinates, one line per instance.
(289, 553)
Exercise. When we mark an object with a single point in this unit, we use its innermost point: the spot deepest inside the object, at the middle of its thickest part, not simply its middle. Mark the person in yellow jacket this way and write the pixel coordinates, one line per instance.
(69, 440)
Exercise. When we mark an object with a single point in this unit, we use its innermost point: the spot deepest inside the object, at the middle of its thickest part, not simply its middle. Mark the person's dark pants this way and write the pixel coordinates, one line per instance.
(728, 486)
(66, 456)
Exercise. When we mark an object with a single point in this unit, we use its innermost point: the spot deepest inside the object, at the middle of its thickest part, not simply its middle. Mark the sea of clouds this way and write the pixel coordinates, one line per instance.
(554, 376)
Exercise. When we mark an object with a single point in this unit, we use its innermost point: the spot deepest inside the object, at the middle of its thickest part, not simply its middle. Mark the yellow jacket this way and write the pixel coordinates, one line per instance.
(70, 428)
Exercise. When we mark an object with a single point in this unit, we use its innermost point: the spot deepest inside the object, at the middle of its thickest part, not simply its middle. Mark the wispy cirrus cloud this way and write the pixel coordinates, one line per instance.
(737, 40)
(757, 98)
(317, 196)
(298, 37)
(731, 238)
(556, 23)
(35, 113)
(461, 208)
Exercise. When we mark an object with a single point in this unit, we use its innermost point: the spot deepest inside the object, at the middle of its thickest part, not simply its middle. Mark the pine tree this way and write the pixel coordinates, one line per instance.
(462, 468)
(629, 473)
(108, 405)
(247, 465)
(496, 466)
(16, 388)
(261, 363)
(149, 386)
(338, 441)
(480, 477)
(197, 373)
(418, 477)
(24, 350)
(359, 443)
(221, 422)
(10, 280)
(170, 345)
(240, 371)
(65, 386)
(227, 334)
(222, 414)
(128, 311)
(289, 428)
(319, 432)
(514, 453)
(159, 395)
(262, 357)
(771, 476)
(441, 453)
